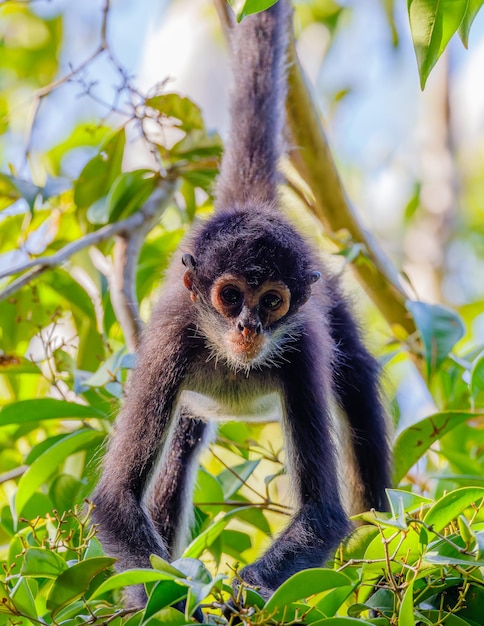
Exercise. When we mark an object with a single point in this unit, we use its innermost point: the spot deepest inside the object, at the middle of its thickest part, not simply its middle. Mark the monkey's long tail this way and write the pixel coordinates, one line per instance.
(249, 165)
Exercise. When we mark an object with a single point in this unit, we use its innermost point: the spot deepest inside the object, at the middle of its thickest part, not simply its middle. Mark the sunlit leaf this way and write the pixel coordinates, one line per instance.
(129, 192)
(440, 329)
(406, 614)
(451, 505)
(48, 463)
(242, 8)
(205, 539)
(23, 597)
(131, 577)
(415, 440)
(408, 500)
(42, 563)
(433, 22)
(304, 584)
(473, 8)
(75, 580)
(232, 479)
(100, 172)
(181, 108)
(44, 409)
(477, 377)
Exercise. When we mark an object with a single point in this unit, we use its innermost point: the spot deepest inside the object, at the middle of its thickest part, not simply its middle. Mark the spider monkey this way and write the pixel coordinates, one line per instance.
(250, 325)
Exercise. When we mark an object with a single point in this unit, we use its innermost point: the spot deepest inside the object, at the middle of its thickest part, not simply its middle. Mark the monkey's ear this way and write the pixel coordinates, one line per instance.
(188, 261)
(313, 277)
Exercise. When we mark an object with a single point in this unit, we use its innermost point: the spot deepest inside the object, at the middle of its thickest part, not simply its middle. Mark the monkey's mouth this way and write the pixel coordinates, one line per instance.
(246, 348)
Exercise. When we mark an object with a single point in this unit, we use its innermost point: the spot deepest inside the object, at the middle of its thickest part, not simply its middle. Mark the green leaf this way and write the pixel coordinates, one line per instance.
(45, 409)
(449, 619)
(232, 479)
(182, 109)
(415, 440)
(129, 192)
(406, 499)
(164, 594)
(451, 505)
(242, 8)
(304, 584)
(208, 536)
(9, 193)
(108, 371)
(477, 377)
(131, 577)
(42, 563)
(164, 566)
(48, 463)
(333, 600)
(193, 569)
(168, 617)
(12, 364)
(75, 581)
(473, 9)
(405, 614)
(433, 22)
(23, 597)
(100, 172)
(208, 489)
(64, 491)
(440, 329)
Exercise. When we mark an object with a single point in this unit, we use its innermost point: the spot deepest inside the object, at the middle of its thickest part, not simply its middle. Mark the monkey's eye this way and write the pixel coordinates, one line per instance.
(271, 301)
(231, 296)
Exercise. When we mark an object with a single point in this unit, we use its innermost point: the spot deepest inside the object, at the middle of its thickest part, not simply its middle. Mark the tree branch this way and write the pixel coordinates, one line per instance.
(313, 160)
(148, 211)
(122, 281)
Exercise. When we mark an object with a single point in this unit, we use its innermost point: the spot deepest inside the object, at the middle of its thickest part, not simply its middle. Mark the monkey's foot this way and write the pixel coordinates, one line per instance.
(252, 576)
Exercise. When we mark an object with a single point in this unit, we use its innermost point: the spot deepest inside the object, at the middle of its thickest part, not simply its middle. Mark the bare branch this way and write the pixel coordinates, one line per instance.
(16, 472)
(122, 280)
(41, 93)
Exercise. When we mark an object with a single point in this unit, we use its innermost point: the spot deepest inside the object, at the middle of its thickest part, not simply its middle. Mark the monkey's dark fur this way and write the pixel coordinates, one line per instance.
(245, 329)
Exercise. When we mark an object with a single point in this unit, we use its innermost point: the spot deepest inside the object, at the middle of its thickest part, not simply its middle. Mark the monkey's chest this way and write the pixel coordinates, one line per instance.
(263, 407)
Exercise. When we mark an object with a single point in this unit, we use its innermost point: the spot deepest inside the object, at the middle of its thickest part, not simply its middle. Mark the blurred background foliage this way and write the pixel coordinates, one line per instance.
(105, 163)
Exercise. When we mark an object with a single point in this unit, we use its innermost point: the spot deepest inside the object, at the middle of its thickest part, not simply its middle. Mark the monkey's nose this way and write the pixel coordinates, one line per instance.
(249, 329)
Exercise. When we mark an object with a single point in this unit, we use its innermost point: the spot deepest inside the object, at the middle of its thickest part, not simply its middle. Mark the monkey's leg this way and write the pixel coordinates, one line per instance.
(125, 529)
(320, 522)
(357, 390)
(170, 499)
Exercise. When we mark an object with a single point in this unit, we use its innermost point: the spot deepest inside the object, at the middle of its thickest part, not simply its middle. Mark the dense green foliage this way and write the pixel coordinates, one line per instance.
(63, 363)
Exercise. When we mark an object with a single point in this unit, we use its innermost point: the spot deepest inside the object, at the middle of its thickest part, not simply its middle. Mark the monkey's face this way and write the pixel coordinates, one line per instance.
(248, 313)
(242, 323)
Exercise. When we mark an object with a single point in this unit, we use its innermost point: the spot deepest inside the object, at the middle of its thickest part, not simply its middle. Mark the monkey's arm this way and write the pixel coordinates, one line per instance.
(320, 522)
(125, 529)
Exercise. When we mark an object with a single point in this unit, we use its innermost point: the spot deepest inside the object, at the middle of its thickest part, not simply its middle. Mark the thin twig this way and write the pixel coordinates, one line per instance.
(41, 93)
